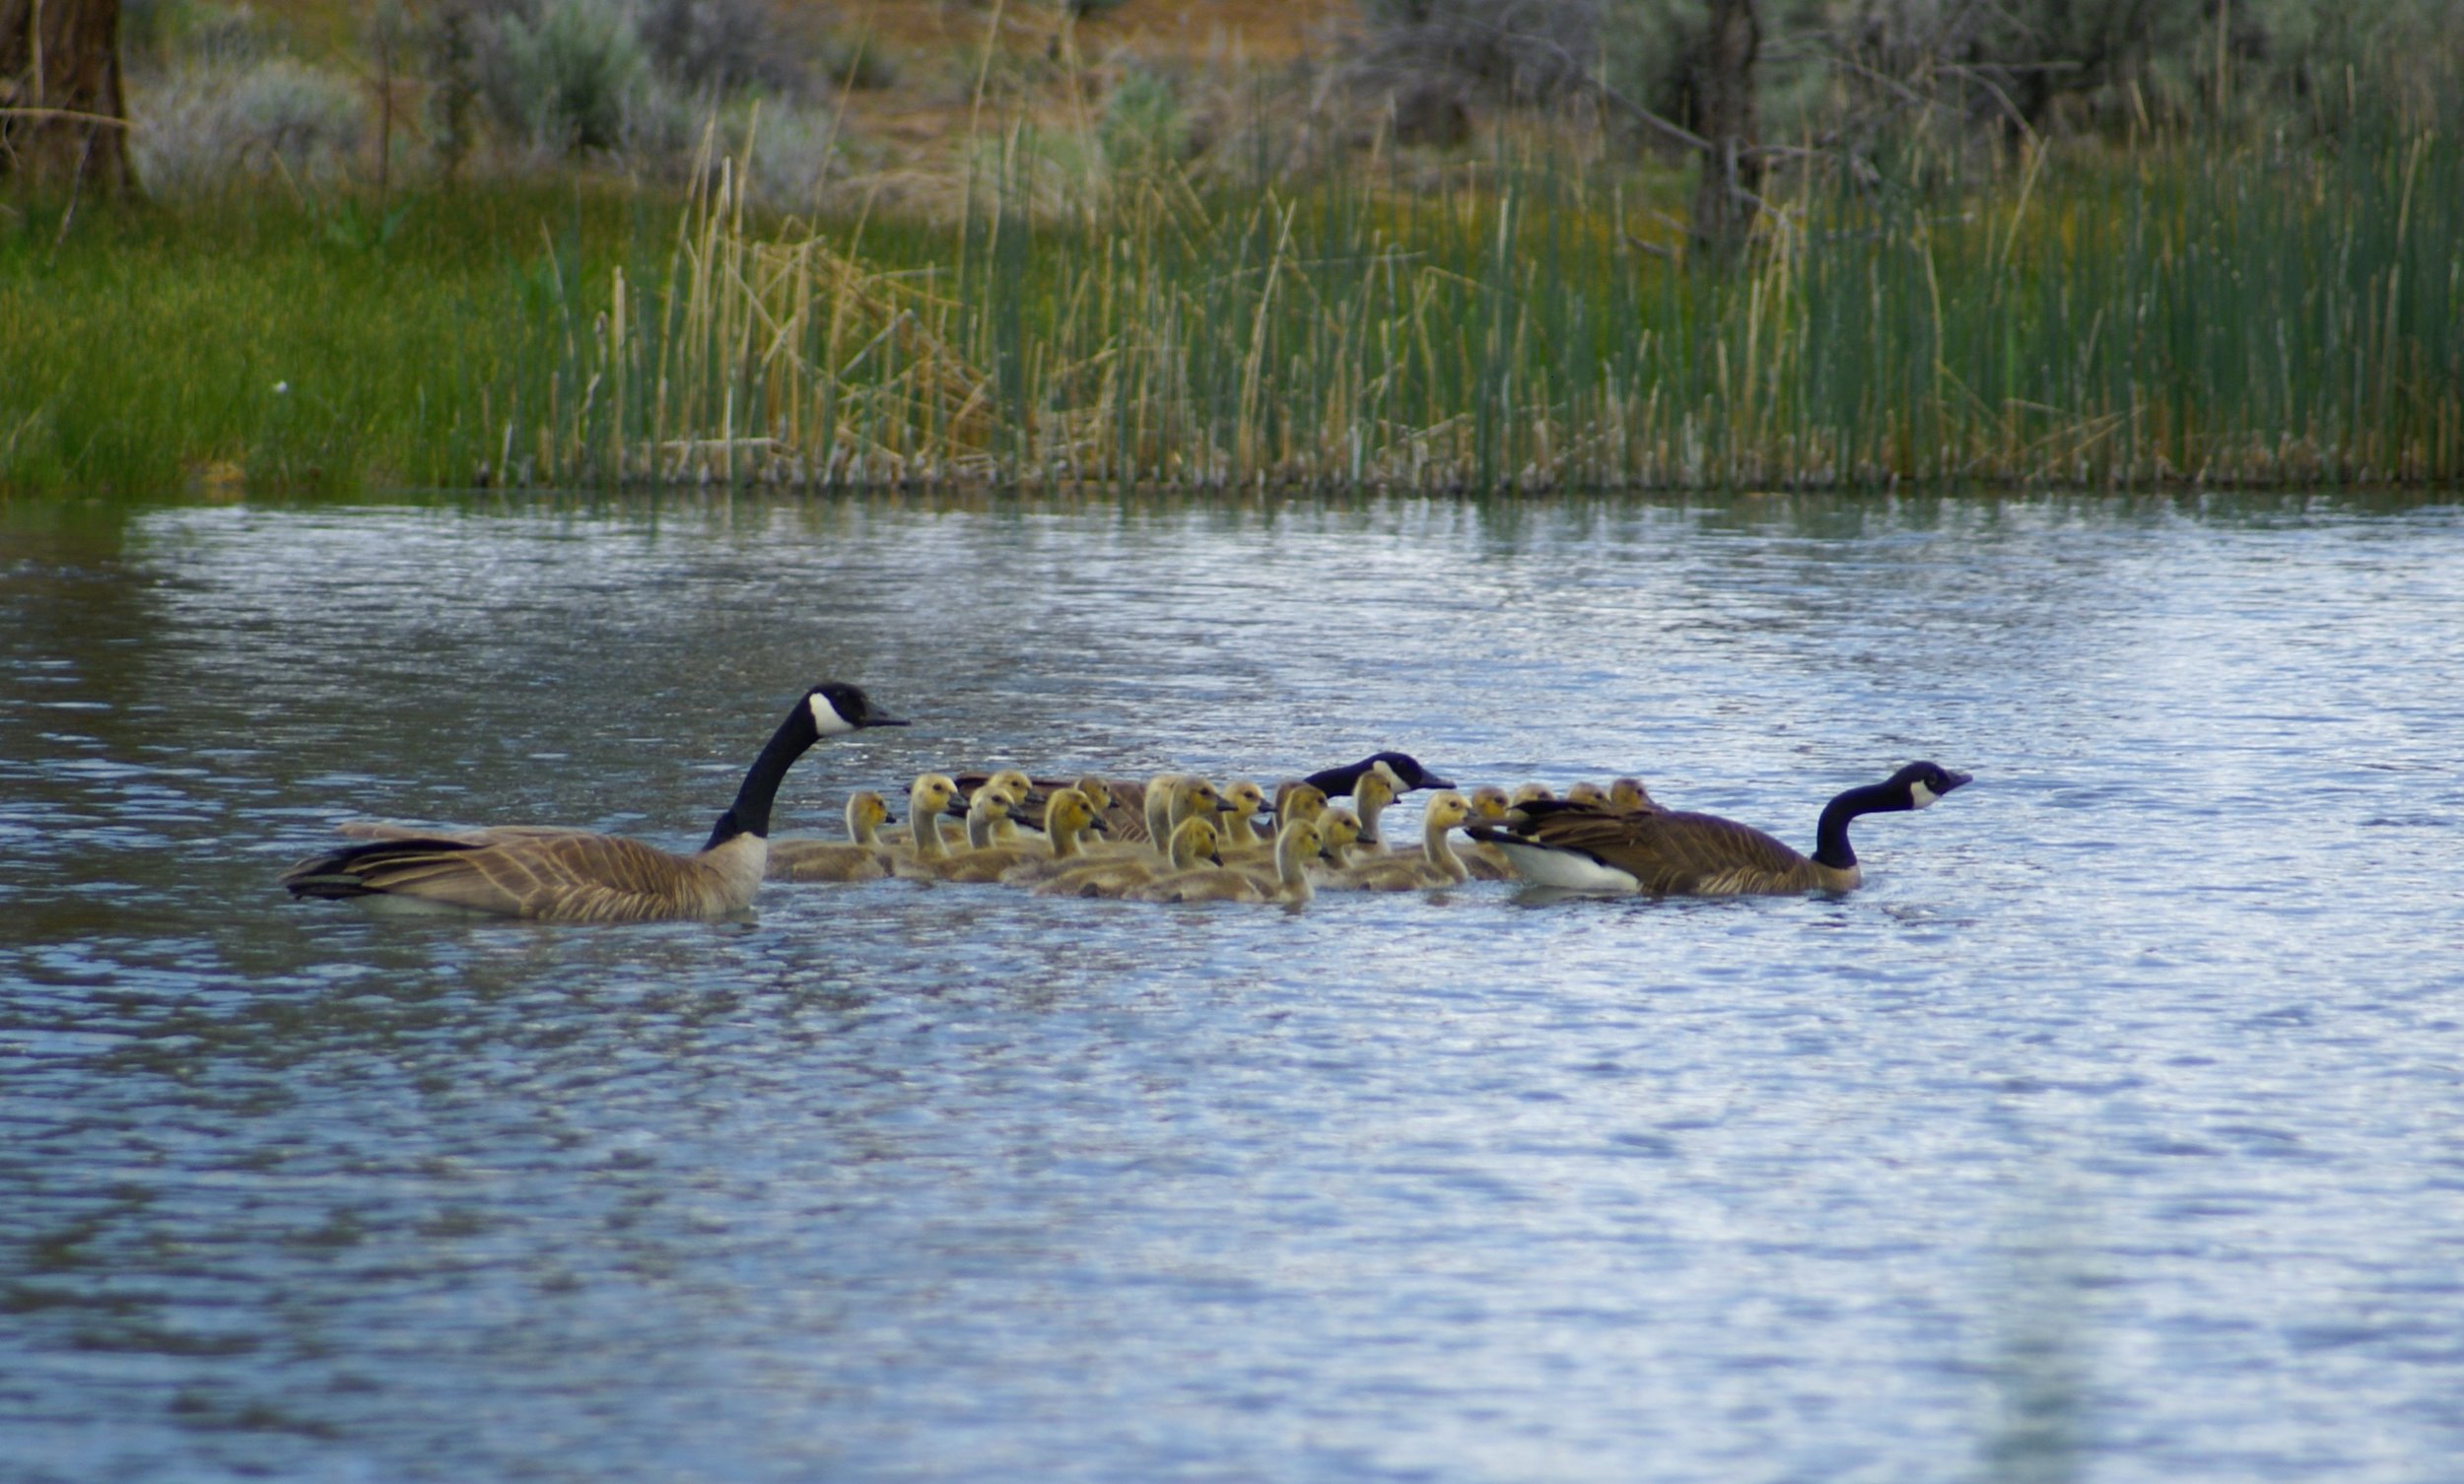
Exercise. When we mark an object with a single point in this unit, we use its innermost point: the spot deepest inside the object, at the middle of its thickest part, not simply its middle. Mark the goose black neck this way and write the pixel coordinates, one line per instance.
(750, 813)
(1830, 838)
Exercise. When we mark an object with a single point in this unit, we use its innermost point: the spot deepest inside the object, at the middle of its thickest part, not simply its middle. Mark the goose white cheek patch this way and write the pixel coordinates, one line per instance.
(1919, 795)
(826, 720)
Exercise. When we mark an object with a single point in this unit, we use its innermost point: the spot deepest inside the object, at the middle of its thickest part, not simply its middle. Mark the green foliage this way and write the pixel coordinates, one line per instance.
(1145, 126)
(576, 76)
(277, 346)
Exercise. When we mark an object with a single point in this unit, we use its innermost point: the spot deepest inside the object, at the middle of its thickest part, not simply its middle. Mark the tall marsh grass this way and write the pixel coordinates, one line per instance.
(2261, 315)
(2265, 316)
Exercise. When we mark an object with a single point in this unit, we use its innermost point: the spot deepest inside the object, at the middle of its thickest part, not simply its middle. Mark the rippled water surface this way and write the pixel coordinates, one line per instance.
(2114, 1131)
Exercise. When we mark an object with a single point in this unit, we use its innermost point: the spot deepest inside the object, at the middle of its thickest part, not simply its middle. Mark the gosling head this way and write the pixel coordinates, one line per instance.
(1587, 793)
(930, 795)
(1067, 809)
(1196, 796)
(1629, 793)
(1300, 839)
(867, 811)
(1532, 793)
(1447, 809)
(1195, 843)
(1489, 802)
(1298, 801)
(1244, 800)
(1338, 831)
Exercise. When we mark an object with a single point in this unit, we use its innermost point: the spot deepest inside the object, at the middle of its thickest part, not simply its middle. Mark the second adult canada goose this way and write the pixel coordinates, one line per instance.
(862, 856)
(575, 876)
(1404, 769)
(1603, 849)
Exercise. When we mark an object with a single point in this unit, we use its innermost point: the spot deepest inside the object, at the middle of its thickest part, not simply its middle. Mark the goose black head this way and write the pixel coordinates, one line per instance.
(839, 708)
(1335, 782)
(1407, 768)
(1924, 782)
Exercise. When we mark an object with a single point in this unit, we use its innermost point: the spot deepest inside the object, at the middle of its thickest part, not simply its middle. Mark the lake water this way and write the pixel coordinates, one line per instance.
(2113, 1131)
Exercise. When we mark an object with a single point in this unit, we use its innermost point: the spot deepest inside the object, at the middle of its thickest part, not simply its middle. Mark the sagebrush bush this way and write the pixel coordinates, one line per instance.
(1144, 125)
(720, 46)
(216, 120)
(575, 77)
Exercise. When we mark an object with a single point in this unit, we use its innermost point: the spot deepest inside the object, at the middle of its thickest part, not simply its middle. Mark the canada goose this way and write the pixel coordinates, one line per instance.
(1193, 844)
(862, 856)
(1599, 849)
(580, 877)
(1435, 865)
(1407, 774)
(1295, 845)
(926, 798)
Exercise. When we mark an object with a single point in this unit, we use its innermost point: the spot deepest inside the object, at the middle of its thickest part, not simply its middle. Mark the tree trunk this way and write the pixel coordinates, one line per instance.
(1728, 192)
(62, 119)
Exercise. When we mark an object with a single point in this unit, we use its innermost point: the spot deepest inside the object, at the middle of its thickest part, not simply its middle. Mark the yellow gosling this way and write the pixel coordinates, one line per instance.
(1629, 793)
(931, 793)
(1295, 847)
(1069, 816)
(1371, 795)
(1435, 865)
(1243, 803)
(1486, 862)
(862, 856)
(1192, 844)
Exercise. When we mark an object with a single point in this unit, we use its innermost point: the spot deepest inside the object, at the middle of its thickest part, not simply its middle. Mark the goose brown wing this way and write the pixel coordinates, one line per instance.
(1124, 812)
(570, 876)
(1670, 854)
(486, 834)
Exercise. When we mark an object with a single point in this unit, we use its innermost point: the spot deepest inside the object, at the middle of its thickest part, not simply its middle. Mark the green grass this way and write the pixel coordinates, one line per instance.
(2260, 313)
(266, 341)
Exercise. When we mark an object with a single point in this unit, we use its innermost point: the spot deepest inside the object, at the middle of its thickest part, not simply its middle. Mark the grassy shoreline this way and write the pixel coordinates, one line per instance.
(2255, 315)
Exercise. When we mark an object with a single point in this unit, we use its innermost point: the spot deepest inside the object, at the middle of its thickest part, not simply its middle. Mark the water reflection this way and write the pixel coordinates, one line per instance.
(2109, 1130)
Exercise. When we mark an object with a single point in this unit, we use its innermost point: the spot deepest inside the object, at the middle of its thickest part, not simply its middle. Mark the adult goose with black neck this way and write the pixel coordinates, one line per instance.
(1603, 848)
(1337, 782)
(575, 876)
